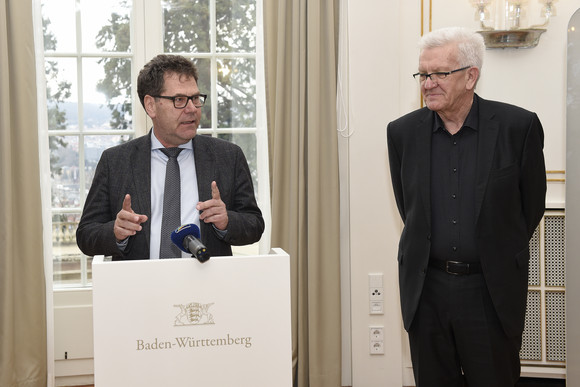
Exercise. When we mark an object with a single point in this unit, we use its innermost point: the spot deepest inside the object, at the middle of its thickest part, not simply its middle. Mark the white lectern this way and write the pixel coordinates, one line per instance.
(178, 322)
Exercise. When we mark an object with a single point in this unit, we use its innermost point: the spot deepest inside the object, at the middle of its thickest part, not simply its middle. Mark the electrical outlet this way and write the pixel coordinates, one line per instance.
(376, 286)
(376, 340)
(376, 333)
(377, 348)
(376, 294)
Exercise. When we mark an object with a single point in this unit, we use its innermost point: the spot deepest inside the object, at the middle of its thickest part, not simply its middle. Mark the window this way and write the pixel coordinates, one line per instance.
(93, 52)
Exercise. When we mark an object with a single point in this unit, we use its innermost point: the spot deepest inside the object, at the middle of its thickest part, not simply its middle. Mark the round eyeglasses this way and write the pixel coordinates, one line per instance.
(181, 101)
(436, 76)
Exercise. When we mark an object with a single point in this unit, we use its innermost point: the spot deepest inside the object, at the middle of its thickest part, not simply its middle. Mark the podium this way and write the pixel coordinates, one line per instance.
(178, 322)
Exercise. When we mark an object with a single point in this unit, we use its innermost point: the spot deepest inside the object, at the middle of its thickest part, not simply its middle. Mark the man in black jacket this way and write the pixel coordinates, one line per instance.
(469, 181)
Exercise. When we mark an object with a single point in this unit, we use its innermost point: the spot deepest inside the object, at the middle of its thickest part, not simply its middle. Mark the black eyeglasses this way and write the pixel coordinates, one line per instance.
(181, 101)
(422, 77)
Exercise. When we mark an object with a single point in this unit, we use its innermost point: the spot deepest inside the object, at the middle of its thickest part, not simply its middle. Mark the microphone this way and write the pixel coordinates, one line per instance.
(186, 237)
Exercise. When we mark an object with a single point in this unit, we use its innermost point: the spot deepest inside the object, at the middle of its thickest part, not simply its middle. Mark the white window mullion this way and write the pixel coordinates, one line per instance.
(262, 132)
(137, 62)
(152, 29)
(80, 109)
(148, 39)
(213, 67)
(81, 128)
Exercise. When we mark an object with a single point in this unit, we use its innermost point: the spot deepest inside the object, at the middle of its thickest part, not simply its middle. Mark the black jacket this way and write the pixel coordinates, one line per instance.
(510, 202)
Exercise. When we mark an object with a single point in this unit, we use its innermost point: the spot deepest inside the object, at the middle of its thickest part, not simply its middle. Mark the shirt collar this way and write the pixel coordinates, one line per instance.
(156, 144)
(471, 121)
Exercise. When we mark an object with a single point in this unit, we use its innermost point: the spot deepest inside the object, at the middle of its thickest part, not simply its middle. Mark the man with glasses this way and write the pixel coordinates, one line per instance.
(469, 181)
(124, 209)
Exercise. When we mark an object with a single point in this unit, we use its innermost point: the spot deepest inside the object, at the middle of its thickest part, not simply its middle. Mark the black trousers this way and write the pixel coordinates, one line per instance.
(456, 338)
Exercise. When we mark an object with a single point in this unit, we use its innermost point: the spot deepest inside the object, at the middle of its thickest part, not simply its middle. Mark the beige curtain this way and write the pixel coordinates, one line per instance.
(301, 38)
(23, 360)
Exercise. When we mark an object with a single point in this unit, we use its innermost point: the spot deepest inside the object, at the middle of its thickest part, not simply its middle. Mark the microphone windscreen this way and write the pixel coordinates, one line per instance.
(181, 232)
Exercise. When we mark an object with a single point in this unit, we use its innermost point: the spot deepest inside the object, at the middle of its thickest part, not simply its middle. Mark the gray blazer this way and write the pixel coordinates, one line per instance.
(510, 202)
(126, 169)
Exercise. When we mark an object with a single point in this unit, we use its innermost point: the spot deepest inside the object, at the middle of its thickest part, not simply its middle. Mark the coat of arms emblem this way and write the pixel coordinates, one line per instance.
(194, 313)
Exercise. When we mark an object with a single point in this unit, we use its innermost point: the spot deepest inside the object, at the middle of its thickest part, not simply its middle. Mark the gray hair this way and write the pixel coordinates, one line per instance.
(470, 44)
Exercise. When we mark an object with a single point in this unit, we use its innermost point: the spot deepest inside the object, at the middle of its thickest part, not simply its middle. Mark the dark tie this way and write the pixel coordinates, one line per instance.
(171, 204)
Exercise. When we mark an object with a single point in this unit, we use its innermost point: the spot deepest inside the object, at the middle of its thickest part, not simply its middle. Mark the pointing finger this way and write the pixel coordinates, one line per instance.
(215, 192)
(127, 203)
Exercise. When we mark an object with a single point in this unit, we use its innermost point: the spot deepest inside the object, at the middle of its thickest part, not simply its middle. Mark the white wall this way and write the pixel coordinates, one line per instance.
(73, 337)
(382, 55)
(373, 78)
(573, 206)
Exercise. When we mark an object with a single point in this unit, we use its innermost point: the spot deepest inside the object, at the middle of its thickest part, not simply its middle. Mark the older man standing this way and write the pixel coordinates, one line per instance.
(469, 180)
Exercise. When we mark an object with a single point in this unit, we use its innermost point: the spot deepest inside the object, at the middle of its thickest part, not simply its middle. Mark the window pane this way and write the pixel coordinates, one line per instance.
(94, 147)
(246, 141)
(204, 85)
(106, 25)
(236, 25)
(237, 93)
(66, 254)
(58, 25)
(107, 93)
(186, 25)
(64, 170)
(61, 93)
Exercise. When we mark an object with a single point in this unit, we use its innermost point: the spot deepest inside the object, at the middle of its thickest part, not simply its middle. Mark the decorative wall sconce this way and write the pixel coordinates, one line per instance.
(508, 19)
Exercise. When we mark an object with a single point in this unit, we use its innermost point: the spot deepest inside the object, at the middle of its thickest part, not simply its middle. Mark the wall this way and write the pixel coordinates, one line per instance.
(382, 55)
(373, 85)
(573, 206)
(73, 337)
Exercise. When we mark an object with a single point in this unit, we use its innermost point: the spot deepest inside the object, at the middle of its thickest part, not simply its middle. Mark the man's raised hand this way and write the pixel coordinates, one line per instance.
(127, 223)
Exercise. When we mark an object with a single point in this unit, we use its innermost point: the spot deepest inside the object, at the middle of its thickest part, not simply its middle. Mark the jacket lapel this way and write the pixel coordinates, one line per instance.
(204, 166)
(488, 132)
(141, 170)
(423, 133)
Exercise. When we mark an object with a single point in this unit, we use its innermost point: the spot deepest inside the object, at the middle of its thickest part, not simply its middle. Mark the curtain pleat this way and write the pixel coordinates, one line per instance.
(23, 360)
(301, 39)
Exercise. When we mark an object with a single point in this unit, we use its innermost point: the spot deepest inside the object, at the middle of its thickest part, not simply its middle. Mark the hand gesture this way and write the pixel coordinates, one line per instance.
(127, 222)
(214, 210)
